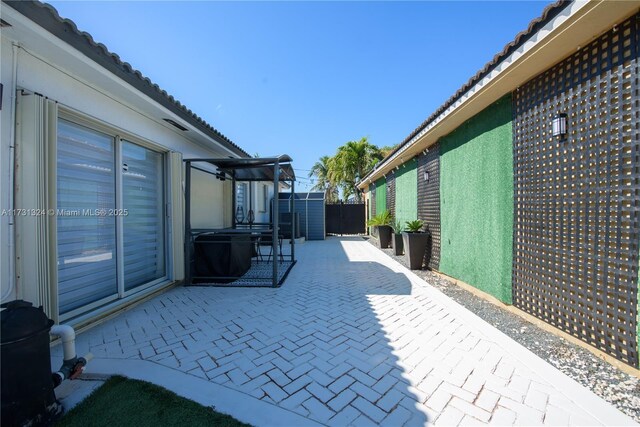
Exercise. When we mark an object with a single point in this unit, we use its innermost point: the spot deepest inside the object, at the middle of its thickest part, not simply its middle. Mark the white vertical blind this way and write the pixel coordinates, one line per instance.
(144, 224)
(86, 191)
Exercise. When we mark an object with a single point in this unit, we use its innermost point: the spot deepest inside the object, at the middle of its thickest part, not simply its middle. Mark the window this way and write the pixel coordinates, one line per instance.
(242, 206)
(265, 198)
(110, 224)
(144, 227)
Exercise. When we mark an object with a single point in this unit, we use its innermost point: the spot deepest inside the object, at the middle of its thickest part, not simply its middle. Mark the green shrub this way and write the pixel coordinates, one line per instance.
(414, 226)
(383, 218)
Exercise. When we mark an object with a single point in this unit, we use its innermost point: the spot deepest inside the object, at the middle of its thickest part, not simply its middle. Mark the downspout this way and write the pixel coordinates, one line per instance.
(12, 153)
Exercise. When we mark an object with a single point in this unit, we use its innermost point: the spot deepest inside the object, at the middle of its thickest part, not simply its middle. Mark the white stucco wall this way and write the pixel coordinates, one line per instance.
(207, 201)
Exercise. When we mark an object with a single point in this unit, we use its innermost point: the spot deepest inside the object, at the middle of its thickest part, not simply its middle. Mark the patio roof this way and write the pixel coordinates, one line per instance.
(253, 169)
(277, 169)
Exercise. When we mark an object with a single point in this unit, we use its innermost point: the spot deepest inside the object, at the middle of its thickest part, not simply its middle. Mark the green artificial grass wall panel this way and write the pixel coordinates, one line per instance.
(381, 195)
(476, 201)
(407, 192)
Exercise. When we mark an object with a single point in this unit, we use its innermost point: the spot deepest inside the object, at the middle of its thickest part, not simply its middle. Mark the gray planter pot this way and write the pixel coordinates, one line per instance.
(396, 244)
(384, 235)
(415, 249)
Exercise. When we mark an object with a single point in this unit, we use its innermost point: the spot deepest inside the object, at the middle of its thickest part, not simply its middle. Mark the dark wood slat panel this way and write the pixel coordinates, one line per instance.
(429, 199)
(391, 193)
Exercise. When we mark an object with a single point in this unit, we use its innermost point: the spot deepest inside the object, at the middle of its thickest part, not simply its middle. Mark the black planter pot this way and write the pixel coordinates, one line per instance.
(384, 235)
(415, 249)
(396, 244)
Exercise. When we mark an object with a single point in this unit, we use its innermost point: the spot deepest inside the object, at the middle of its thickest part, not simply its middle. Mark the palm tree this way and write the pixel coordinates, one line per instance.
(386, 150)
(321, 172)
(353, 161)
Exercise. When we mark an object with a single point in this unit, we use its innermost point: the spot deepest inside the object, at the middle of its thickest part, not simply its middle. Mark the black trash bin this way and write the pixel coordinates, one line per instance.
(27, 385)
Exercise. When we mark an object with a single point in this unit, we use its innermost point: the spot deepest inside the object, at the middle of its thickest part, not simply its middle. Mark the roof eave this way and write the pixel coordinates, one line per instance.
(48, 18)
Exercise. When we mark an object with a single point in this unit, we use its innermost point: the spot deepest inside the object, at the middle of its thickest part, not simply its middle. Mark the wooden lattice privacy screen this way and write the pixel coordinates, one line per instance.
(391, 193)
(576, 201)
(429, 198)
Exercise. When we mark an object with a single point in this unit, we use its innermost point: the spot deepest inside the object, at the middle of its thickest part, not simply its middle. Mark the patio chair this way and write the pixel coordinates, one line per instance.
(266, 239)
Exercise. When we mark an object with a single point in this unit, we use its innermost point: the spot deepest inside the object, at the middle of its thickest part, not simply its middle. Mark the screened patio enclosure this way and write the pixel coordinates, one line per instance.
(248, 253)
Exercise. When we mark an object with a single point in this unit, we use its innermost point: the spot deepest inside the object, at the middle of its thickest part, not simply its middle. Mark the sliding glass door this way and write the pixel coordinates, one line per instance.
(86, 241)
(110, 220)
(144, 231)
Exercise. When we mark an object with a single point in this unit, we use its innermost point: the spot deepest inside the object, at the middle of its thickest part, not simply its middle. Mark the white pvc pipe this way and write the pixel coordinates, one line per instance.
(12, 144)
(68, 336)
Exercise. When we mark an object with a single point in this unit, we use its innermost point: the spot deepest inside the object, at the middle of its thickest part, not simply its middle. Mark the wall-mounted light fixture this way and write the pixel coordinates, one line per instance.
(425, 176)
(559, 126)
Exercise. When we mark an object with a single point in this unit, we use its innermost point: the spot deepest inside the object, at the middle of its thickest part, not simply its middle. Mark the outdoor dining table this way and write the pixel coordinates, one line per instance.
(222, 256)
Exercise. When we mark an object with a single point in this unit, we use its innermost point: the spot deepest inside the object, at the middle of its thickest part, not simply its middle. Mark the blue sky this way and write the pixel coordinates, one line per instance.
(303, 78)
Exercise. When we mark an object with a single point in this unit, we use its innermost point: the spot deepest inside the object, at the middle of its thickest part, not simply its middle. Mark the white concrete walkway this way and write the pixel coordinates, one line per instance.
(352, 337)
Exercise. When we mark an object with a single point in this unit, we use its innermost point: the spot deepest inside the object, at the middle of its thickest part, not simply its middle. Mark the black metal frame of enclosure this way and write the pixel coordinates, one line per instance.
(272, 169)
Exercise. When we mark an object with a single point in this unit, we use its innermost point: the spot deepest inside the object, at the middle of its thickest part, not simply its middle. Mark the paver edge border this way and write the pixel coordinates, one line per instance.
(239, 405)
(597, 407)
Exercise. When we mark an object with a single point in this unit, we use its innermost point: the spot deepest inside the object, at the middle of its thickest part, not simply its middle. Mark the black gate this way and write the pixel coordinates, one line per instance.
(345, 218)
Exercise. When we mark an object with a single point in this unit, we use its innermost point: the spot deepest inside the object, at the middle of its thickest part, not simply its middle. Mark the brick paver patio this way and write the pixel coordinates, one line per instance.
(352, 337)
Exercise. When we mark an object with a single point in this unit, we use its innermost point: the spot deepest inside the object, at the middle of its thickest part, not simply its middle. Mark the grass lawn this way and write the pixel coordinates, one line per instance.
(125, 402)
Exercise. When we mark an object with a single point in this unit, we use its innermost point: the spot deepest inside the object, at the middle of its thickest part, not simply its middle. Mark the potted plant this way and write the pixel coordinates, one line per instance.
(396, 239)
(415, 243)
(381, 224)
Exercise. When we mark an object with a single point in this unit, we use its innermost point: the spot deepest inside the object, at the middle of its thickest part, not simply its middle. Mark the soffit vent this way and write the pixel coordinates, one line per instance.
(179, 126)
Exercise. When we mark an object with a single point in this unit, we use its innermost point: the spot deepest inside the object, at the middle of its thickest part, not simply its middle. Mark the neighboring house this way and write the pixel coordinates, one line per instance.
(547, 223)
(92, 174)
